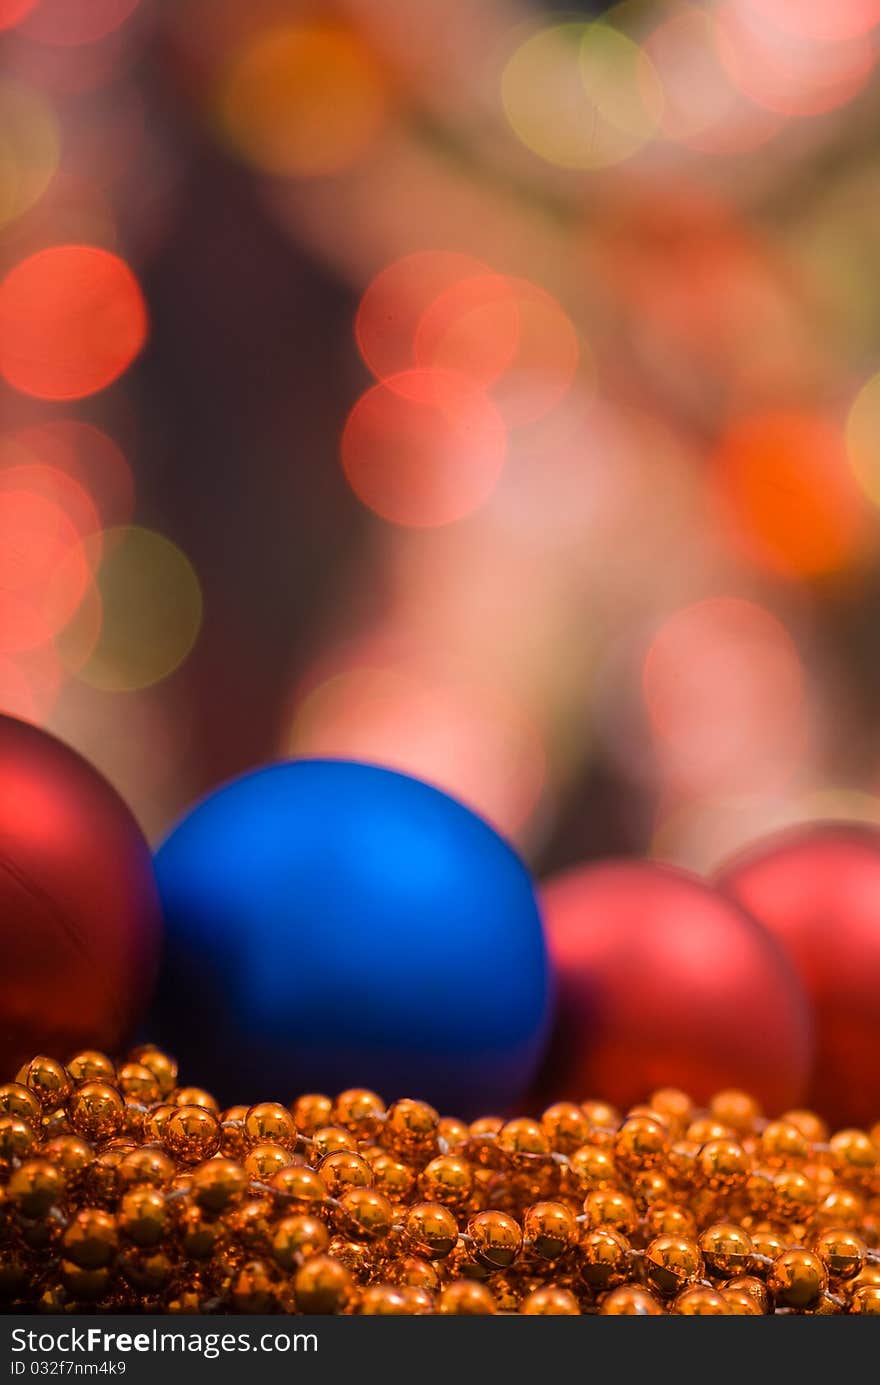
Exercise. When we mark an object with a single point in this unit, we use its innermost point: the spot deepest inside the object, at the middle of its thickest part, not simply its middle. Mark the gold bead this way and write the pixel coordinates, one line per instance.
(497, 1239)
(254, 1290)
(415, 1273)
(855, 1156)
(48, 1079)
(565, 1127)
(312, 1111)
(669, 1219)
(795, 1195)
(726, 1249)
(640, 1143)
(392, 1177)
(217, 1182)
(431, 1230)
(146, 1270)
(344, 1169)
(365, 1214)
(608, 1207)
(448, 1179)
(35, 1187)
(630, 1300)
(264, 1160)
(322, 1285)
(191, 1133)
(155, 1121)
(91, 1240)
(146, 1165)
(701, 1302)
(17, 1139)
(331, 1139)
(842, 1252)
(591, 1167)
(522, 1140)
(298, 1188)
(359, 1110)
(384, 1300)
(135, 1080)
(466, 1298)
(87, 1285)
(551, 1229)
(866, 1299)
(782, 1143)
(605, 1258)
(410, 1129)
(735, 1109)
(796, 1278)
(270, 1123)
(672, 1263)
(90, 1065)
(161, 1065)
(705, 1128)
(601, 1115)
(96, 1111)
(811, 1126)
(296, 1237)
(723, 1165)
(741, 1302)
(195, 1096)
(143, 1215)
(841, 1207)
(453, 1133)
(675, 1106)
(550, 1301)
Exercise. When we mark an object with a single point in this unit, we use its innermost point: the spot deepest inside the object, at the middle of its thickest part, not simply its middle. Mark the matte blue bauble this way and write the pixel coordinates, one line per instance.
(333, 924)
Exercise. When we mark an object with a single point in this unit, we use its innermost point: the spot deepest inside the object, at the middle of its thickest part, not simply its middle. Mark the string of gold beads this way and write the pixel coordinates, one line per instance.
(122, 1191)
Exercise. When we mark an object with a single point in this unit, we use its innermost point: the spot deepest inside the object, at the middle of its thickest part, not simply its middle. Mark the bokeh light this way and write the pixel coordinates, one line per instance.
(74, 22)
(504, 333)
(423, 448)
(581, 96)
(151, 604)
(29, 148)
(468, 738)
(393, 305)
(18, 473)
(785, 71)
(44, 571)
(723, 687)
(822, 21)
(863, 438)
(84, 453)
(785, 485)
(303, 100)
(12, 12)
(72, 319)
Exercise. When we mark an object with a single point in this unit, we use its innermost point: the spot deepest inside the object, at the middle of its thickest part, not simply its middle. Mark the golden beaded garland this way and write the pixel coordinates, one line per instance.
(122, 1191)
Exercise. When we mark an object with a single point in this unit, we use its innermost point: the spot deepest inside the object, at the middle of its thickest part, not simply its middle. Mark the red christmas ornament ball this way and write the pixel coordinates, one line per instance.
(817, 888)
(80, 922)
(664, 982)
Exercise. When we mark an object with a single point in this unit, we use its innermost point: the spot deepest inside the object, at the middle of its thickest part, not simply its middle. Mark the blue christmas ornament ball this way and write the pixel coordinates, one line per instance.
(331, 924)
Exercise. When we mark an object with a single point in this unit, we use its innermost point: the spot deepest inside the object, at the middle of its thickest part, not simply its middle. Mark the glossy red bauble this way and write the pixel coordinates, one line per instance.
(817, 888)
(80, 925)
(664, 982)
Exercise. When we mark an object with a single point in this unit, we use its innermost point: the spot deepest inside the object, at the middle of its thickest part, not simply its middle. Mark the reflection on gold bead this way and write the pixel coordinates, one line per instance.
(700, 1302)
(298, 1188)
(727, 1249)
(392, 1177)
(782, 1142)
(591, 1167)
(312, 1111)
(297, 1237)
(263, 1161)
(270, 1123)
(217, 1182)
(550, 1301)
(90, 1065)
(466, 1298)
(191, 1133)
(676, 1106)
(365, 1214)
(565, 1127)
(630, 1300)
(48, 1079)
(331, 1139)
(794, 1195)
(384, 1300)
(410, 1129)
(601, 1115)
(497, 1239)
(322, 1285)
(522, 1139)
(360, 1110)
(96, 1111)
(254, 1289)
(551, 1229)
(672, 1262)
(146, 1165)
(431, 1229)
(855, 1156)
(342, 1170)
(17, 1138)
(413, 1272)
(811, 1126)
(195, 1096)
(605, 1258)
(640, 1143)
(143, 1215)
(447, 1179)
(161, 1065)
(796, 1279)
(723, 1164)
(866, 1299)
(91, 1240)
(35, 1187)
(735, 1109)
(135, 1080)
(608, 1207)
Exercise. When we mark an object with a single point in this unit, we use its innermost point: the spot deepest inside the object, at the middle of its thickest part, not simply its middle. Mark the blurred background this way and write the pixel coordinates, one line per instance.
(464, 385)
